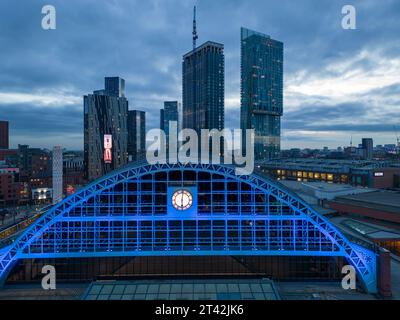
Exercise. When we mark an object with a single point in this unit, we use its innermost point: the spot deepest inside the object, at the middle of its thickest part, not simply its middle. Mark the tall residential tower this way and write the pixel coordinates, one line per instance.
(203, 87)
(262, 91)
(105, 129)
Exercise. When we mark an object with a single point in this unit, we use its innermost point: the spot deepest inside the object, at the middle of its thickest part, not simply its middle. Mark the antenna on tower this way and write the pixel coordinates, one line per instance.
(194, 28)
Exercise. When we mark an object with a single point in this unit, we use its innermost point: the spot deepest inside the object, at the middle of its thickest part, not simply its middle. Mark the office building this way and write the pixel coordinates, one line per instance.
(4, 135)
(105, 129)
(136, 135)
(372, 174)
(261, 92)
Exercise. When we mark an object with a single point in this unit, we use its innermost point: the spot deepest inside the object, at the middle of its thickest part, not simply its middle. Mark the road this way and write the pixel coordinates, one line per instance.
(23, 212)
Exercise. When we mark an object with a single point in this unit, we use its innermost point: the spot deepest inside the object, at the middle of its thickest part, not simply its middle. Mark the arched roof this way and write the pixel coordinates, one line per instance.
(363, 260)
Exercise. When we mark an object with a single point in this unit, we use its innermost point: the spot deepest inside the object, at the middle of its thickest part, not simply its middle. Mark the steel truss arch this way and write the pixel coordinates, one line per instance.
(57, 218)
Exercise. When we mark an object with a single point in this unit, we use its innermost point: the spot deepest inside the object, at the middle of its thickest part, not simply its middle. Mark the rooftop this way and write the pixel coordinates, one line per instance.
(379, 200)
(193, 289)
(310, 164)
(204, 45)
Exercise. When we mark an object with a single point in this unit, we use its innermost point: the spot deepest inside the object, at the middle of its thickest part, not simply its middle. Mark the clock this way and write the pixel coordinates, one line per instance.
(182, 200)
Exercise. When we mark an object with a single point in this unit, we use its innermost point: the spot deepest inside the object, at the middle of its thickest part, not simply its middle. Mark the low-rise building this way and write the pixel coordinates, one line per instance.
(372, 174)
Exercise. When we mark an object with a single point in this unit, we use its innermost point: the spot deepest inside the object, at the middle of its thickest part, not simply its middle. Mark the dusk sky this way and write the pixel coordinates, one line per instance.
(337, 83)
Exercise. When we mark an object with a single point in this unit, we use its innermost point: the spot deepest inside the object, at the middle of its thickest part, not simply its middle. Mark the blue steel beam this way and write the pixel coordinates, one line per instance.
(97, 221)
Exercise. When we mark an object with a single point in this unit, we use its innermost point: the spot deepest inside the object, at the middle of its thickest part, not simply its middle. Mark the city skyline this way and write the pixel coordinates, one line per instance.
(337, 83)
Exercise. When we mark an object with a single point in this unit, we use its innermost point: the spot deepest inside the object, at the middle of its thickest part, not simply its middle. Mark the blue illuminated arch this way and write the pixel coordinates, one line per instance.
(97, 222)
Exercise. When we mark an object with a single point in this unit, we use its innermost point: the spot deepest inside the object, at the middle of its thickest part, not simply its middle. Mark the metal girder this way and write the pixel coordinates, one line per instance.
(263, 233)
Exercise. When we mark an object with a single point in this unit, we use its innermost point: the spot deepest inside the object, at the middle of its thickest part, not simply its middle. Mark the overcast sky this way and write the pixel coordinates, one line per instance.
(337, 83)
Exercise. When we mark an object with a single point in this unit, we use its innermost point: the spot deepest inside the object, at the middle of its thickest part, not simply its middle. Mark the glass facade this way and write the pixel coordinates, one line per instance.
(262, 91)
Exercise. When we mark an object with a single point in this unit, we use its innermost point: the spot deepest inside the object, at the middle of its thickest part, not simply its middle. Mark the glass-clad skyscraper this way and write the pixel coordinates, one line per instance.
(203, 87)
(262, 91)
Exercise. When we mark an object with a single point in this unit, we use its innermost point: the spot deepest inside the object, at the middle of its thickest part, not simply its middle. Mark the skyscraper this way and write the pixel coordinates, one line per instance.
(203, 87)
(136, 135)
(261, 91)
(168, 114)
(368, 148)
(105, 129)
(4, 135)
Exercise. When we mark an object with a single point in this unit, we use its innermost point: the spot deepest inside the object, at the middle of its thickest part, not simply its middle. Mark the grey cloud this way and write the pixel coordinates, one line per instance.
(342, 117)
(101, 38)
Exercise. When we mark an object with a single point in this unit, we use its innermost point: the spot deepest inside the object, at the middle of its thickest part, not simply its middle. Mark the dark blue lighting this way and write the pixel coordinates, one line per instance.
(129, 213)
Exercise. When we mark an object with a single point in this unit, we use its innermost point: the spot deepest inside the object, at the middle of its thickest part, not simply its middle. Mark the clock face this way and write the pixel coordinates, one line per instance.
(182, 200)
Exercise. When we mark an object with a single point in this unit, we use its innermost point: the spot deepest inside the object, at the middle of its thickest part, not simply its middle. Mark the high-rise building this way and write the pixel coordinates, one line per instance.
(168, 114)
(136, 135)
(4, 135)
(57, 177)
(203, 87)
(368, 147)
(261, 91)
(114, 86)
(105, 129)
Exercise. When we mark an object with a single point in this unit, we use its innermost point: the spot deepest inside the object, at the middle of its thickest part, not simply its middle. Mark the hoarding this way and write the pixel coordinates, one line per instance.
(107, 148)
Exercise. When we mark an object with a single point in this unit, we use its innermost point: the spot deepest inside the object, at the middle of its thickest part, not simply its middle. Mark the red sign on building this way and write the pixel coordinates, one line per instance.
(107, 148)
